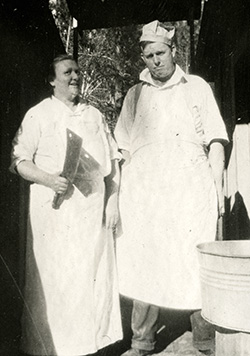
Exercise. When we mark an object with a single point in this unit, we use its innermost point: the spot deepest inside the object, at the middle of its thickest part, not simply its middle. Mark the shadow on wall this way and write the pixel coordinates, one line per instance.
(237, 223)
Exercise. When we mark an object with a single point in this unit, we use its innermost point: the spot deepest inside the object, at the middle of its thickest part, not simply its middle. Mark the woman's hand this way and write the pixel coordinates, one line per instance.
(59, 184)
(29, 171)
(111, 212)
(112, 181)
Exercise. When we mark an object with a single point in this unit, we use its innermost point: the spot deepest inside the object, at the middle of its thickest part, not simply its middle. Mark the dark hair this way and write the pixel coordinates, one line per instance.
(52, 67)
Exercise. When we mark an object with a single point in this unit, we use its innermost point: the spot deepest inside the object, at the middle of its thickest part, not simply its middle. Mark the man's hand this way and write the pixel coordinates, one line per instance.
(221, 203)
(216, 158)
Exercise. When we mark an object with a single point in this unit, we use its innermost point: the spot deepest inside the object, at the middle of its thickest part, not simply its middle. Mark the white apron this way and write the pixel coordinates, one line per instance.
(168, 204)
(72, 302)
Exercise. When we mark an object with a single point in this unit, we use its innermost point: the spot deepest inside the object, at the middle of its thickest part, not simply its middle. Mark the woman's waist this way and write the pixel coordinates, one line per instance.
(88, 165)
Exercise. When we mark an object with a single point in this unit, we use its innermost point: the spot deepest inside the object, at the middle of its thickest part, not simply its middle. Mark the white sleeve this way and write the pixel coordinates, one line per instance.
(26, 140)
(213, 123)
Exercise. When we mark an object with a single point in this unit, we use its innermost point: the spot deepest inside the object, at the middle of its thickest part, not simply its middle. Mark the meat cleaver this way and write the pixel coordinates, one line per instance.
(73, 150)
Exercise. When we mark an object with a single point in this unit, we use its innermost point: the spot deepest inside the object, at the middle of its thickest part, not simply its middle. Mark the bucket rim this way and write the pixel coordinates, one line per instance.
(223, 325)
(200, 247)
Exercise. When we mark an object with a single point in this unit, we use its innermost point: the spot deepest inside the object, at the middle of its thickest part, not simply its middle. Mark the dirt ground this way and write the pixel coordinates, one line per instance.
(174, 338)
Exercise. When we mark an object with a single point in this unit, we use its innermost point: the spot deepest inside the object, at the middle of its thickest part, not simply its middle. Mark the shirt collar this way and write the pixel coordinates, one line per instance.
(79, 107)
(176, 78)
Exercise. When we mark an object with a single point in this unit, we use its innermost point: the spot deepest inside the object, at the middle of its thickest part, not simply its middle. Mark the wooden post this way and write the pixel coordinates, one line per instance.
(68, 34)
(75, 39)
(191, 31)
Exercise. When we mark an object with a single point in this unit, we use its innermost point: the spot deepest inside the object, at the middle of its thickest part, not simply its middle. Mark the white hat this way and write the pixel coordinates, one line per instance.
(156, 32)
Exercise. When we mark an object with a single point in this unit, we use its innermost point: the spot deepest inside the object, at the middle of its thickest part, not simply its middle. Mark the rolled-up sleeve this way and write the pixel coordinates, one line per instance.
(213, 124)
(25, 142)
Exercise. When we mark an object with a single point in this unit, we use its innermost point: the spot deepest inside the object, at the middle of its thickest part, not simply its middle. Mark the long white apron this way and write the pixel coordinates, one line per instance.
(71, 295)
(168, 205)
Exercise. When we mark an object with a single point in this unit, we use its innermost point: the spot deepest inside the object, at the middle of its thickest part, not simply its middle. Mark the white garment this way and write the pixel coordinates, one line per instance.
(168, 199)
(71, 288)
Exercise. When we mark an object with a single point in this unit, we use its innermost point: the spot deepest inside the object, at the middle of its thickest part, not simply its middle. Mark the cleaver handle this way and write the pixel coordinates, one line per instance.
(58, 199)
(73, 150)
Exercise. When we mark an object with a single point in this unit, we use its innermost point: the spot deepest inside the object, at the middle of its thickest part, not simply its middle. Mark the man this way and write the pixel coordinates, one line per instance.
(71, 298)
(171, 135)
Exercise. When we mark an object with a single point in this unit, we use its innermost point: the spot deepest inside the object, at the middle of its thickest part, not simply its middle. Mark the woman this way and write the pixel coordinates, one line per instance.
(71, 298)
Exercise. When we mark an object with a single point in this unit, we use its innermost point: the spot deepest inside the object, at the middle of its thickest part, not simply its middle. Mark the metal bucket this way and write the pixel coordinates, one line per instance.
(225, 283)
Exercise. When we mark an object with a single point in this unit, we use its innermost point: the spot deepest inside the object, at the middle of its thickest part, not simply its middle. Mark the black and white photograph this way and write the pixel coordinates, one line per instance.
(125, 177)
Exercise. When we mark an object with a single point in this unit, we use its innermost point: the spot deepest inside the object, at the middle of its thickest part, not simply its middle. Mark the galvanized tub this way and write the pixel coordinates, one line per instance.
(225, 283)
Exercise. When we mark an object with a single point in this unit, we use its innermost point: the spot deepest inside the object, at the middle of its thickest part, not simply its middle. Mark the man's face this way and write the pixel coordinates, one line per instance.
(159, 58)
(67, 80)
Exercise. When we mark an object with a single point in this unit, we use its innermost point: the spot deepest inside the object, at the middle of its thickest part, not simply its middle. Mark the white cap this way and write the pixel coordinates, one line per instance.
(156, 32)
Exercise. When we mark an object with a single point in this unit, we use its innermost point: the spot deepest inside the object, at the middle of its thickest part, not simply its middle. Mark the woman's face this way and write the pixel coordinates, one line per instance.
(66, 83)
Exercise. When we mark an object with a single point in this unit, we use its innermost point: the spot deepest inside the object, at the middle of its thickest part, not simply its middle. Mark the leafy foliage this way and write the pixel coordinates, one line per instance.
(109, 60)
(60, 12)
